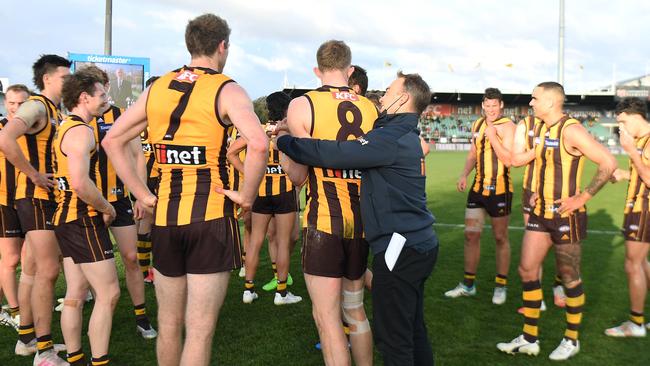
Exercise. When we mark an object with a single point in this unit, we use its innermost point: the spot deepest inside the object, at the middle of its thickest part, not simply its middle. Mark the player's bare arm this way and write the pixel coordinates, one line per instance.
(30, 118)
(520, 156)
(299, 124)
(235, 106)
(470, 162)
(628, 144)
(77, 144)
(579, 142)
(233, 154)
(501, 137)
(128, 127)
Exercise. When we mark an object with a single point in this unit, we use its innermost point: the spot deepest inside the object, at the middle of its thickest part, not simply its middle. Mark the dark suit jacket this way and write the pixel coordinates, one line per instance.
(119, 93)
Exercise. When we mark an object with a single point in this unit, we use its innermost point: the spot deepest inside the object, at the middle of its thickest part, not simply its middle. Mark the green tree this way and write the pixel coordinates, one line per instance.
(259, 105)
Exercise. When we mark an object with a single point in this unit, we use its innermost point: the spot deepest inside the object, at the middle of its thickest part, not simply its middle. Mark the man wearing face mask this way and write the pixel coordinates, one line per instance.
(393, 189)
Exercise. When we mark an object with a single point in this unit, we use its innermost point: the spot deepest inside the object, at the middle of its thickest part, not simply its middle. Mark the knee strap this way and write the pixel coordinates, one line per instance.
(477, 215)
(354, 300)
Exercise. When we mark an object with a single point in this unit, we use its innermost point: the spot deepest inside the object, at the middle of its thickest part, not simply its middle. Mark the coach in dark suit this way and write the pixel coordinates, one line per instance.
(393, 201)
(121, 90)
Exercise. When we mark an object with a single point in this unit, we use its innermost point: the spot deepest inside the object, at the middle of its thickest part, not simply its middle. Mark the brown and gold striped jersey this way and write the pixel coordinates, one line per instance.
(558, 172)
(109, 183)
(7, 177)
(37, 148)
(638, 193)
(235, 178)
(190, 142)
(333, 194)
(149, 158)
(275, 180)
(492, 176)
(69, 206)
(533, 124)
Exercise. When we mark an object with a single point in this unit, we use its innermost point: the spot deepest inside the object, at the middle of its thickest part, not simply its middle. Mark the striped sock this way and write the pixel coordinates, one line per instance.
(141, 318)
(44, 343)
(26, 333)
(100, 361)
(282, 288)
(14, 311)
(575, 300)
(468, 279)
(77, 358)
(532, 297)
(500, 280)
(637, 318)
(249, 285)
(275, 269)
(144, 253)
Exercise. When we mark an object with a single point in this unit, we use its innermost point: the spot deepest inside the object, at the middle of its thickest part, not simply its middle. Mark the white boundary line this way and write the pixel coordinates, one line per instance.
(521, 228)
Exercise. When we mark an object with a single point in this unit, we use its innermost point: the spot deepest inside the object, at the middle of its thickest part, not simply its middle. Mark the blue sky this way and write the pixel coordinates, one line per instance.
(461, 45)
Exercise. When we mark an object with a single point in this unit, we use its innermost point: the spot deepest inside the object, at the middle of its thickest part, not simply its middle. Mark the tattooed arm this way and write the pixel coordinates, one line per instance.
(579, 142)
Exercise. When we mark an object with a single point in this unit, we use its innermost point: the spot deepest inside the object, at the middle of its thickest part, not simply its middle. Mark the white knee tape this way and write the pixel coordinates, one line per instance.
(354, 300)
(477, 217)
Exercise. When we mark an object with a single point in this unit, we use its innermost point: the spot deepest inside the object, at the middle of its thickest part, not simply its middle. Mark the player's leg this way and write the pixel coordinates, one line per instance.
(502, 251)
(283, 227)
(72, 313)
(474, 221)
(258, 231)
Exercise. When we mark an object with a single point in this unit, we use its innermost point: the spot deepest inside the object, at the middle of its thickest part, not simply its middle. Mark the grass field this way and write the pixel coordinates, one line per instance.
(463, 331)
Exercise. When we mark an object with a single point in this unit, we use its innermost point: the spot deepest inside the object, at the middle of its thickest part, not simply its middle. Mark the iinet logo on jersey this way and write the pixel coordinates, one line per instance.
(345, 96)
(187, 75)
(182, 155)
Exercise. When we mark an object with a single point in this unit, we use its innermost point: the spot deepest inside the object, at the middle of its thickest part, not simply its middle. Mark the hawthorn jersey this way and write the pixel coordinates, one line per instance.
(492, 176)
(37, 148)
(533, 124)
(69, 206)
(638, 193)
(110, 184)
(333, 194)
(149, 158)
(558, 172)
(189, 141)
(7, 177)
(275, 180)
(236, 178)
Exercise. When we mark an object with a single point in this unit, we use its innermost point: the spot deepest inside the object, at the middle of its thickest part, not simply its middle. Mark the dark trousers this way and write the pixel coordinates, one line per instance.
(398, 308)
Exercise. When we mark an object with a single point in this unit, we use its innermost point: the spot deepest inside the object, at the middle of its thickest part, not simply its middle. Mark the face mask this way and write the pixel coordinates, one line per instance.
(385, 111)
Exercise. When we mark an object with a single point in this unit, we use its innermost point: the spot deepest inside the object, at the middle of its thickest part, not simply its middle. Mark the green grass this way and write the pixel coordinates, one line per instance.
(463, 331)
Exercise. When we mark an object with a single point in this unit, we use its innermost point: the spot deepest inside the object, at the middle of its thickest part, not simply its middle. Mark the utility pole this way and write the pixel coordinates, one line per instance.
(560, 61)
(108, 28)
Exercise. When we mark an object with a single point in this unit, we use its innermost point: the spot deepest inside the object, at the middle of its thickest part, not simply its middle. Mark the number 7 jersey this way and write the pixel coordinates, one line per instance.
(333, 194)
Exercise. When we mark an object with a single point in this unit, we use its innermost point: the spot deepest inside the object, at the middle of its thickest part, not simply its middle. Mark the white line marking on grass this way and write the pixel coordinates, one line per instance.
(521, 228)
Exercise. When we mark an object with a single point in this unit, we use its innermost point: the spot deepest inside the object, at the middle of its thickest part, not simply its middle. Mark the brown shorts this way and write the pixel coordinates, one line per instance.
(525, 201)
(35, 214)
(496, 205)
(124, 211)
(636, 226)
(277, 204)
(329, 255)
(563, 230)
(9, 223)
(197, 248)
(85, 240)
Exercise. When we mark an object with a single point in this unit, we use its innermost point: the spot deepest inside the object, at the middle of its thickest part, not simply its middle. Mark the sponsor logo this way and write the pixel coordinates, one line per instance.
(147, 148)
(547, 134)
(631, 204)
(187, 75)
(552, 142)
(634, 227)
(563, 228)
(551, 208)
(501, 204)
(103, 126)
(363, 141)
(108, 252)
(181, 155)
(533, 225)
(537, 141)
(342, 173)
(565, 237)
(274, 169)
(62, 184)
(345, 96)
(12, 231)
(129, 211)
(48, 222)
(490, 187)
(117, 190)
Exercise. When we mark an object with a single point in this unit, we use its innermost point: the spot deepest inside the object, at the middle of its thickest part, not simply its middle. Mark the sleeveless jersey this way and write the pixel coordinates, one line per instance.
(558, 172)
(190, 141)
(533, 124)
(333, 194)
(275, 180)
(37, 148)
(109, 183)
(638, 193)
(492, 176)
(7, 177)
(69, 206)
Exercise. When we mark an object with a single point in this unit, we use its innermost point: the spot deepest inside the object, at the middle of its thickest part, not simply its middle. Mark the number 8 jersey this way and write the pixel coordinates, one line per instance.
(333, 194)
(189, 140)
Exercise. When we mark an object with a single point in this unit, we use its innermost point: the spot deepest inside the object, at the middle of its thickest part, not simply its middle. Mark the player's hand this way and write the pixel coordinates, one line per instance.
(533, 199)
(619, 175)
(109, 215)
(626, 140)
(44, 181)
(140, 210)
(282, 128)
(490, 131)
(461, 184)
(236, 197)
(570, 204)
(148, 203)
